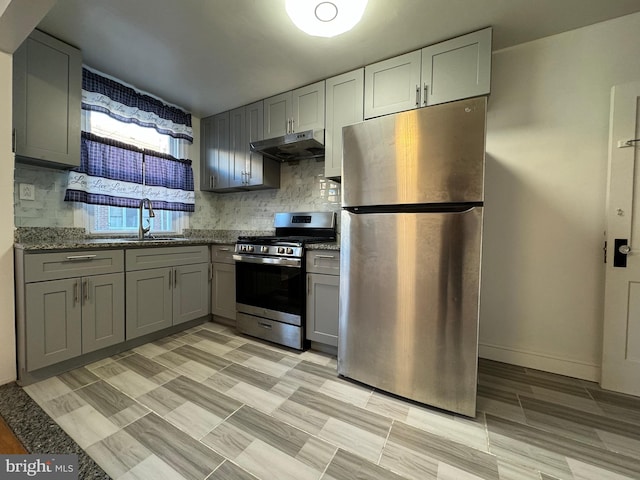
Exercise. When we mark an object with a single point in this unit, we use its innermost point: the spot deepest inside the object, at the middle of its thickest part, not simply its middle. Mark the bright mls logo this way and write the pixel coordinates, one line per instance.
(50, 467)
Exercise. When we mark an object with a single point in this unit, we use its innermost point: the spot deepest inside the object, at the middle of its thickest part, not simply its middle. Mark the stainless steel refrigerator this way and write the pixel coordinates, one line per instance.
(411, 241)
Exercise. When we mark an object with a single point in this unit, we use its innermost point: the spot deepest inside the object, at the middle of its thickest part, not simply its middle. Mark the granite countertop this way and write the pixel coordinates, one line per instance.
(51, 239)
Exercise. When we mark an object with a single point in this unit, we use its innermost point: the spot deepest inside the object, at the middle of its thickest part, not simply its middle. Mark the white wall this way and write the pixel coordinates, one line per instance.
(7, 320)
(543, 272)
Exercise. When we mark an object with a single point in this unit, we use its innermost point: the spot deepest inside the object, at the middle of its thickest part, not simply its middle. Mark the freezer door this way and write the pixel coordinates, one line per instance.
(429, 155)
(409, 298)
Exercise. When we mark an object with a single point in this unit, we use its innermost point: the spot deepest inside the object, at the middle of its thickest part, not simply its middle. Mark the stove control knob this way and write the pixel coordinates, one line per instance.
(250, 248)
(264, 249)
(280, 249)
(243, 248)
(290, 251)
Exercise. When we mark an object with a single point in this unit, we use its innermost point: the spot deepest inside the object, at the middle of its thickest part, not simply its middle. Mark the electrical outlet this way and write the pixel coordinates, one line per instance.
(27, 191)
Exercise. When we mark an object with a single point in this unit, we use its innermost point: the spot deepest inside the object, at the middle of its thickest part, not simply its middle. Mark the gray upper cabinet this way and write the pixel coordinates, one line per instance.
(451, 70)
(392, 85)
(228, 165)
(344, 106)
(456, 69)
(47, 85)
(295, 111)
(215, 153)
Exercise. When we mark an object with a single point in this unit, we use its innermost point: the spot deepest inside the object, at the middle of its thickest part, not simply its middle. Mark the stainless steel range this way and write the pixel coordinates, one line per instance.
(270, 277)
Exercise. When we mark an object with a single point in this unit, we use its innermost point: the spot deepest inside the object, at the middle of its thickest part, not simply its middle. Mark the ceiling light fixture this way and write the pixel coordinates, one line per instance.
(325, 18)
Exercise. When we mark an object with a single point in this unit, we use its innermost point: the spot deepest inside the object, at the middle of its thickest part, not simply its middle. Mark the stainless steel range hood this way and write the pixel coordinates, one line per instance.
(292, 147)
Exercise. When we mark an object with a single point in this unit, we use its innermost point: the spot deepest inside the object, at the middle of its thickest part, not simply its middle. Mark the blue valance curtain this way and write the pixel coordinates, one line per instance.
(117, 174)
(125, 104)
(120, 175)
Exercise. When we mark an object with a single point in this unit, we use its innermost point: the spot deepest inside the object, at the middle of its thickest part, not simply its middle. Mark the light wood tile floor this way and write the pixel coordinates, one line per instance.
(209, 404)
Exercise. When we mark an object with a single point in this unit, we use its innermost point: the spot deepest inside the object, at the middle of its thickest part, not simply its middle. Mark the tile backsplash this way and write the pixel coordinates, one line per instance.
(303, 187)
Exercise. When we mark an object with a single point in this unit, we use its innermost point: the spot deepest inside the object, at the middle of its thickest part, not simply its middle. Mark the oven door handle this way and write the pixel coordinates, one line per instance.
(282, 262)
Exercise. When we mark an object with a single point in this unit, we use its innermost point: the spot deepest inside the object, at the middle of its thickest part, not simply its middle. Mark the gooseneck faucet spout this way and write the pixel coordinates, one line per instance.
(142, 230)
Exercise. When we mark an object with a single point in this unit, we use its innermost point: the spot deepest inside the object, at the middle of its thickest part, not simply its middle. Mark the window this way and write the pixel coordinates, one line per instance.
(105, 219)
(133, 147)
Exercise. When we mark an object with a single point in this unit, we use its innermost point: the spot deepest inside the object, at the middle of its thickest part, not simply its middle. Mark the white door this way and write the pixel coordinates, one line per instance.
(621, 347)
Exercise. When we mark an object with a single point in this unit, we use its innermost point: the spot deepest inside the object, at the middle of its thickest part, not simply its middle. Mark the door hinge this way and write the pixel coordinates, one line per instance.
(604, 249)
(13, 140)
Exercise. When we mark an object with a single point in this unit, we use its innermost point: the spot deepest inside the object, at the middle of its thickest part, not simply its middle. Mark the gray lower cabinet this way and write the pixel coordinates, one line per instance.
(63, 310)
(223, 284)
(323, 286)
(165, 287)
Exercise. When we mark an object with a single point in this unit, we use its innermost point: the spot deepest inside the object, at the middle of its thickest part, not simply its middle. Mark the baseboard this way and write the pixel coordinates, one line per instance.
(541, 361)
(4, 381)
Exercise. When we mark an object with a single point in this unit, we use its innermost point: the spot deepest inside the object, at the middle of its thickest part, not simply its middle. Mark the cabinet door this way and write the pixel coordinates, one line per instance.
(214, 152)
(345, 94)
(254, 126)
(277, 115)
(308, 108)
(207, 155)
(102, 311)
(392, 85)
(149, 301)
(47, 84)
(223, 290)
(322, 308)
(190, 292)
(238, 147)
(53, 322)
(458, 68)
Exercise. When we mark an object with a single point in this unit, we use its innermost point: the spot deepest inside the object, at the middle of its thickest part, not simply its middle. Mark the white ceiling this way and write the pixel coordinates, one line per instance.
(211, 55)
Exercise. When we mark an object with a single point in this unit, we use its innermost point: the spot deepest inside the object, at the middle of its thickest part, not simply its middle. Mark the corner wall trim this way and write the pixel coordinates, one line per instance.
(541, 361)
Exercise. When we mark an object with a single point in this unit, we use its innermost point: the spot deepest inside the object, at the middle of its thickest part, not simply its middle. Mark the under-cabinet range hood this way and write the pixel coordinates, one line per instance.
(292, 147)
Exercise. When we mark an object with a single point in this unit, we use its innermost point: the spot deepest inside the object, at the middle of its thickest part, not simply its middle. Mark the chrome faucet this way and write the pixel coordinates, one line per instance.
(141, 229)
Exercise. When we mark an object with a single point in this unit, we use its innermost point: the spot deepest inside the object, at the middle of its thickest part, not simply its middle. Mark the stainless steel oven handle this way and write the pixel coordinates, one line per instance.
(282, 262)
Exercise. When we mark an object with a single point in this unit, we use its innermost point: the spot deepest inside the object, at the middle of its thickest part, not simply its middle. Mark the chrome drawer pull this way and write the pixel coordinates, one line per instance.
(324, 256)
(81, 257)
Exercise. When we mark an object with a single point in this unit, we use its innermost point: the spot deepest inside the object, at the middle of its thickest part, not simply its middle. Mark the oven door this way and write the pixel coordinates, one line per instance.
(270, 287)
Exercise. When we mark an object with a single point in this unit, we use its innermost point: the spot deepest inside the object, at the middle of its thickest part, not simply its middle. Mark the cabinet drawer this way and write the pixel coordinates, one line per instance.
(145, 258)
(222, 254)
(323, 261)
(53, 266)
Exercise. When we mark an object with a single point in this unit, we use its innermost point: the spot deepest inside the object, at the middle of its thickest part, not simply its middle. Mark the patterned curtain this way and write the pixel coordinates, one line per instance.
(120, 175)
(127, 105)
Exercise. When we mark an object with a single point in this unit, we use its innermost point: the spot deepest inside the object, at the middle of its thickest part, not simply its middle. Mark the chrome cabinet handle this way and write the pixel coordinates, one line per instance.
(424, 100)
(175, 278)
(417, 95)
(85, 290)
(170, 279)
(293, 125)
(75, 291)
(81, 257)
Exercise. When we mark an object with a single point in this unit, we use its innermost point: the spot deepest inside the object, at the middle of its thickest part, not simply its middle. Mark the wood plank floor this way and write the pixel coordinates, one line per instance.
(210, 404)
(9, 444)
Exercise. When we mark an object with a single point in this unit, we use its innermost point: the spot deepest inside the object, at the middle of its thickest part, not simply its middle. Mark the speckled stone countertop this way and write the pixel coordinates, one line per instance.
(41, 239)
(38, 239)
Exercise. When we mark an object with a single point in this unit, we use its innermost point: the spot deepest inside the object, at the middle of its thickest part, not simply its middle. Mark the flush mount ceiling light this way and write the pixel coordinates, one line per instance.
(325, 18)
